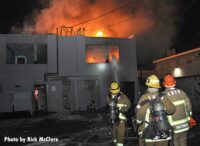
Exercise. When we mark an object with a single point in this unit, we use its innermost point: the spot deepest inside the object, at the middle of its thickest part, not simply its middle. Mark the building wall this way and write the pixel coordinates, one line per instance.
(17, 80)
(187, 65)
(52, 54)
(3, 50)
(186, 69)
(191, 85)
(73, 50)
(24, 75)
(67, 50)
(72, 67)
(55, 99)
(83, 90)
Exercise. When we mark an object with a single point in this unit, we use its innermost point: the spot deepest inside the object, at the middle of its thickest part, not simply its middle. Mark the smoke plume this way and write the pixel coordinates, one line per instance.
(160, 37)
(131, 17)
(152, 20)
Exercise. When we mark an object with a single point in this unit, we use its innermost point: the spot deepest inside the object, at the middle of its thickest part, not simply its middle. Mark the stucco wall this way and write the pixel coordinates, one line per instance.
(71, 64)
(72, 61)
(188, 64)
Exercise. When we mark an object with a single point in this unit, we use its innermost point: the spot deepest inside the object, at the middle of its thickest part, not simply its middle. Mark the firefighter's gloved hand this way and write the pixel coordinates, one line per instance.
(122, 107)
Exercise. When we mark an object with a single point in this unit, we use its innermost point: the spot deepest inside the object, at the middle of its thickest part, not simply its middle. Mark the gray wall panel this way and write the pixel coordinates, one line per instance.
(68, 56)
(55, 99)
(51, 50)
(2, 50)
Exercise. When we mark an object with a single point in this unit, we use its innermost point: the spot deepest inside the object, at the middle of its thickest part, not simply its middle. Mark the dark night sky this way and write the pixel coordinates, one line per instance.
(189, 33)
(14, 12)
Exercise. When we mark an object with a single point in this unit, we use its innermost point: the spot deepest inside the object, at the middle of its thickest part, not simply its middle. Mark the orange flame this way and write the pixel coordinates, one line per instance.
(70, 13)
(99, 33)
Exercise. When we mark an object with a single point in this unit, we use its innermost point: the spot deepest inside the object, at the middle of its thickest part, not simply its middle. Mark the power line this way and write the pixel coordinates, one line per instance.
(114, 24)
(130, 18)
(102, 15)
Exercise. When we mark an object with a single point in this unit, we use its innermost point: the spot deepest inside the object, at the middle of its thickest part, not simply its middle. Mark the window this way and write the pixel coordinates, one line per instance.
(102, 53)
(21, 53)
(41, 54)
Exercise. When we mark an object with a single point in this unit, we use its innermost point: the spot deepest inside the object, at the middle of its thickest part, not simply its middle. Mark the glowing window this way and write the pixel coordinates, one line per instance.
(102, 53)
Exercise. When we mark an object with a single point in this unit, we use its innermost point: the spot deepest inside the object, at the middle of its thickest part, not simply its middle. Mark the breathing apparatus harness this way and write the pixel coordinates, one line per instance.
(113, 110)
(158, 127)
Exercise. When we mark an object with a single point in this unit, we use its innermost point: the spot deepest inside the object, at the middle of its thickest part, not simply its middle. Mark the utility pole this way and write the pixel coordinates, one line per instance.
(69, 31)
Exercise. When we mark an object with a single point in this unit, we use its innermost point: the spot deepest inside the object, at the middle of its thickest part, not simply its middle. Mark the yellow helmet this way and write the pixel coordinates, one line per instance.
(114, 88)
(153, 81)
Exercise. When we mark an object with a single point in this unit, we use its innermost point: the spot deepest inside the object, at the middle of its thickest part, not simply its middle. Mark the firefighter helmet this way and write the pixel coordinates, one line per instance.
(169, 81)
(153, 81)
(114, 88)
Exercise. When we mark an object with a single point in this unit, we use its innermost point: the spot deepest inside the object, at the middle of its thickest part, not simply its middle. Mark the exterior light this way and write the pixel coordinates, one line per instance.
(177, 72)
(101, 66)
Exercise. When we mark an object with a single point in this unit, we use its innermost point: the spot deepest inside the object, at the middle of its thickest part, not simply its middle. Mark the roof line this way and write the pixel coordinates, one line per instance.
(176, 55)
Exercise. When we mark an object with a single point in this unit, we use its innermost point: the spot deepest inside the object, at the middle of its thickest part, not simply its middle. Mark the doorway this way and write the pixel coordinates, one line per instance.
(128, 88)
(40, 97)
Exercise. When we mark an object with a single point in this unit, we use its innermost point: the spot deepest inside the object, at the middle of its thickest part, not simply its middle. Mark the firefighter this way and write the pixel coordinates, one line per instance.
(117, 115)
(180, 119)
(150, 133)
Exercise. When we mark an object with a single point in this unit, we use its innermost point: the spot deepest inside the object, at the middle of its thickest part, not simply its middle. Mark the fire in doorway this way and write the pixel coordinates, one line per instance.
(40, 99)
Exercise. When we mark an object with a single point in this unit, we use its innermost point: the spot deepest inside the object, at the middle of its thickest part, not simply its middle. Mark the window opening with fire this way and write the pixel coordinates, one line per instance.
(102, 53)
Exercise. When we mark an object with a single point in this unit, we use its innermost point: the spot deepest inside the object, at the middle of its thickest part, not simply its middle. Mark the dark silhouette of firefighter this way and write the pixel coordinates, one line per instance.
(119, 104)
(151, 114)
(180, 119)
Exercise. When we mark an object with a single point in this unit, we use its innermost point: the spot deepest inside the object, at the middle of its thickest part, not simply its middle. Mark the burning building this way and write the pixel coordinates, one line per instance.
(58, 73)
